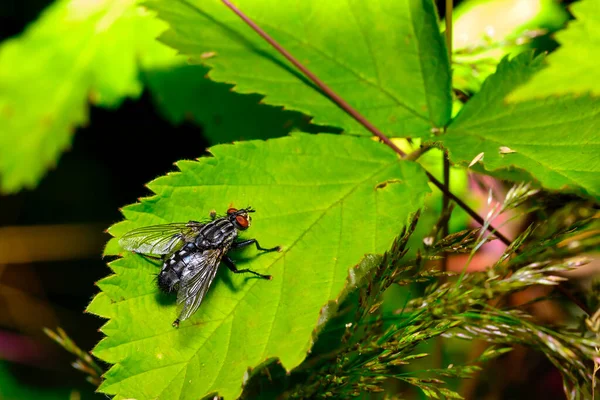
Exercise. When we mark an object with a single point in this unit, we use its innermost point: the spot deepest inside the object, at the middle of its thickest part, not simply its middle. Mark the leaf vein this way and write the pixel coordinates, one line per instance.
(358, 76)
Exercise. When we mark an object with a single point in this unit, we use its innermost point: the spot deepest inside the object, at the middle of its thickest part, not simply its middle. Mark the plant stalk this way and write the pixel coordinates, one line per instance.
(446, 160)
(439, 344)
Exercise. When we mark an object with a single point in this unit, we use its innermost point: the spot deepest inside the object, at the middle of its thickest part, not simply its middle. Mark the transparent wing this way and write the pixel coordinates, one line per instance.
(196, 280)
(160, 239)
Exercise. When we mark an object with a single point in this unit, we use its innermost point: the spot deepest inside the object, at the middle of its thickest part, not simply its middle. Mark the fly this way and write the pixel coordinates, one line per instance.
(191, 253)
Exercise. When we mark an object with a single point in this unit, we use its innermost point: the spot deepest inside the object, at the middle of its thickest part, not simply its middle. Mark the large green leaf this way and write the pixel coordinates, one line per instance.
(386, 58)
(326, 199)
(556, 141)
(573, 68)
(78, 51)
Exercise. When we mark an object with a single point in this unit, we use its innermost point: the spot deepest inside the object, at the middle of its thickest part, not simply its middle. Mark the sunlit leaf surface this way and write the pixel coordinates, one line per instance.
(326, 199)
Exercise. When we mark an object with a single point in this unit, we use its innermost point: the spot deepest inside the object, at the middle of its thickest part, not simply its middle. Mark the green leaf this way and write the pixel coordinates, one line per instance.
(76, 52)
(573, 68)
(183, 92)
(326, 199)
(554, 141)
(386, 58)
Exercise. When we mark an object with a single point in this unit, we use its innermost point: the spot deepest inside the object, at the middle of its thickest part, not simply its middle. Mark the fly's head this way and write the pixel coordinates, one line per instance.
(240, 218)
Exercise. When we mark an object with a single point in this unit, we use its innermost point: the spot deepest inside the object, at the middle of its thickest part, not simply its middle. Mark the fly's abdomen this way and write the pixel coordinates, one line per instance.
(168, 281)
(173, 267)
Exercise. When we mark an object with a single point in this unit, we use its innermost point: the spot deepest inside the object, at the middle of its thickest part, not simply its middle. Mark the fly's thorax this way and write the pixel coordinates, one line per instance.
(218, 234)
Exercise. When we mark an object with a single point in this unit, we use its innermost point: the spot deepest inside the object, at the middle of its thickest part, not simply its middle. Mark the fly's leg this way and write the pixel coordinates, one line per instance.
(244, 243)
(231, 265)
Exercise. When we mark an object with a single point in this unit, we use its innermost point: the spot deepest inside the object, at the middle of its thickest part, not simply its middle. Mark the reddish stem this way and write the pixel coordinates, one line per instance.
(356, 115)
(364, 122)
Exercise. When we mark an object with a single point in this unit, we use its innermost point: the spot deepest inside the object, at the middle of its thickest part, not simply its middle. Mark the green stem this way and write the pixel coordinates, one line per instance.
(446, 198)
(439, 342)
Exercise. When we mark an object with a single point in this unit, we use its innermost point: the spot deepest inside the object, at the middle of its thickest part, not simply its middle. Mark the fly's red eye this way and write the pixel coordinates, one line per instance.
(242, 221)
(231, 211)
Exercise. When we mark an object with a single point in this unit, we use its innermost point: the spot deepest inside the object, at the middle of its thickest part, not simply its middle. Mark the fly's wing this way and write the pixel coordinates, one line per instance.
(160, 239)
(196, 279)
